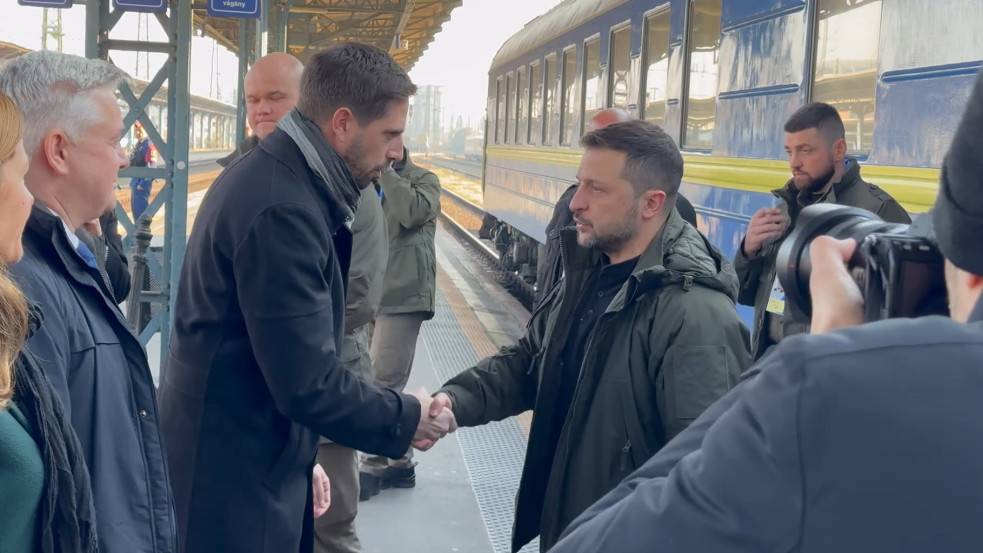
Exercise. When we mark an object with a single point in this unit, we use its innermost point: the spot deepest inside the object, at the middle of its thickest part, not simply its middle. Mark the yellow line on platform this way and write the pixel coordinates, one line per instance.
(472, 328)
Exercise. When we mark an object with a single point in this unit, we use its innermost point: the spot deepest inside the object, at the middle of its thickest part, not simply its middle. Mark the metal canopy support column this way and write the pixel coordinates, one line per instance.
(244, 58)
(262, 34)
(284, 25)
(178, 125)
(100, 21)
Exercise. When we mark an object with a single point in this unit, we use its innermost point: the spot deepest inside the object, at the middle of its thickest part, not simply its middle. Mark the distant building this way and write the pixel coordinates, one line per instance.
(424, 129)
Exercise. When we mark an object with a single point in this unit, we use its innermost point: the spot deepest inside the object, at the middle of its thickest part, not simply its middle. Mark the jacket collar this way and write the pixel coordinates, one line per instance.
(679, 254)
(279, 145)
(54, 245)
(242, 149)
(408, 165)
(849, 178)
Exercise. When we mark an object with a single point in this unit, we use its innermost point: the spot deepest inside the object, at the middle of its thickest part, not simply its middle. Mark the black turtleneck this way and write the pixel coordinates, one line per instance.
(605, 282)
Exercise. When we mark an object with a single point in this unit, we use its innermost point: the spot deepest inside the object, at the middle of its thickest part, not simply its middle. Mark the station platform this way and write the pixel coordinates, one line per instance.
(465, 490)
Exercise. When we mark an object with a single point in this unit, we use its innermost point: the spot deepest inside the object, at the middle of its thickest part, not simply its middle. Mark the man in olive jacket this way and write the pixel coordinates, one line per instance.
(821, 173)
(411, 202)
(334, 531)
(637, 340)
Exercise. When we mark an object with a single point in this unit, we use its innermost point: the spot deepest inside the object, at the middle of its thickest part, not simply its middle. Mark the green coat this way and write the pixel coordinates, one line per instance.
(669, 345)
(370, 253)
(370, 250)
(22, 483)
(411, 202)
(757, 274)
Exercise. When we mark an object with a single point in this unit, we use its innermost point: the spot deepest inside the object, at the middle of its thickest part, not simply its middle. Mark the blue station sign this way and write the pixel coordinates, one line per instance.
(46, 3)
(234, 8)
(149, 6)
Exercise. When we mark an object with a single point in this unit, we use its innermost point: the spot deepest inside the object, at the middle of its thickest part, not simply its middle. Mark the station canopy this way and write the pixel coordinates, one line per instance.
(404, 28)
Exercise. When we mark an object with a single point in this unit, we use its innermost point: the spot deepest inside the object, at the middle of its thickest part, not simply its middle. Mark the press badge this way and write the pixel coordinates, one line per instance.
(776, 301)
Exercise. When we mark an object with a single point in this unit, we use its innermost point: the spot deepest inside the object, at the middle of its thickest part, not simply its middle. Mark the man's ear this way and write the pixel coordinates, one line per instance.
(342, 127)
(653, 203)
(839, 150)
(54, 150)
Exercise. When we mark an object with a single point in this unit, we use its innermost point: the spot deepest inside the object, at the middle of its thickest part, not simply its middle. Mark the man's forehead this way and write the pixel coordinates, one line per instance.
(805, 136)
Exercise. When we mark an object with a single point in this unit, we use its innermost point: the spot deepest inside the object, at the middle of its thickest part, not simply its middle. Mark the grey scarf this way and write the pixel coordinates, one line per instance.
(326, 163)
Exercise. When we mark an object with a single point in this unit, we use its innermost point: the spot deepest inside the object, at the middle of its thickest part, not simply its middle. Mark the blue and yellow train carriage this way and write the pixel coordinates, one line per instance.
(722, 76)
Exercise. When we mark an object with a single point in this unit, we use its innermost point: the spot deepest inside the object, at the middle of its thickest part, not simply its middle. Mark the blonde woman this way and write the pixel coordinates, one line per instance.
(44, 485)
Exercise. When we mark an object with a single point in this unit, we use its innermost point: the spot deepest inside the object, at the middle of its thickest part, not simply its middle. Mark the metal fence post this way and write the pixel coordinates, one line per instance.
(135, 304)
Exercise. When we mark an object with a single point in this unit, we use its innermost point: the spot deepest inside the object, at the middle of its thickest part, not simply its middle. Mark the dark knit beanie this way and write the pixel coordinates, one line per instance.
(958, 213)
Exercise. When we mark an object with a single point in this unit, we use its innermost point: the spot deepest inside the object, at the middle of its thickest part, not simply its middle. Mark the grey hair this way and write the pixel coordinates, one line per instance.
(51, 90)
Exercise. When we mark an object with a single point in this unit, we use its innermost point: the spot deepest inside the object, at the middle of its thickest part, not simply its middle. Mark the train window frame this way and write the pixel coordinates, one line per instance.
(813, 68)
(551, 60)
(521, 105)
(509, 105)
(609, 96)
(647, 18)
(572, 50)
(589, 41)
(688, 38)
(498, 109)
(536, 68)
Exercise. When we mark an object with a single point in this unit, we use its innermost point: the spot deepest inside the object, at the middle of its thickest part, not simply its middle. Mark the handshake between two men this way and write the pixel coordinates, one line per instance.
(436, 419)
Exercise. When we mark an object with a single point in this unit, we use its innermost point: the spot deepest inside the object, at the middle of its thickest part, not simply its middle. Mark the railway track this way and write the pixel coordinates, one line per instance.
(468, 168)
(463, 219)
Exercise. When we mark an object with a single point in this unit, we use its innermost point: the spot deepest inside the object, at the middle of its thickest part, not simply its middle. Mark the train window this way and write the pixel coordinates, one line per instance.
(536, 105)
(592, 81)
(847, 35)
(522, 114)
(704, 45)
(549, 97)
(509, 106)
(568, 102)
(656, 64)
(491, 117)
(619, 68)
(500, 114)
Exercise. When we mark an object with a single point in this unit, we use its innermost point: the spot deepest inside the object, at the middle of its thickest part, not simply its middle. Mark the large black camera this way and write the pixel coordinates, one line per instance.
(897, 267)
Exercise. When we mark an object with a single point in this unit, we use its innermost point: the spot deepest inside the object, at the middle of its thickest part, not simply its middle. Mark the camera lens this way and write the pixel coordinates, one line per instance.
(838, 221)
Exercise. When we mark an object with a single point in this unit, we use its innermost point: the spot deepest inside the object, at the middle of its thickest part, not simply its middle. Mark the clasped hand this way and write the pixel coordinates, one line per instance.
(436, 419)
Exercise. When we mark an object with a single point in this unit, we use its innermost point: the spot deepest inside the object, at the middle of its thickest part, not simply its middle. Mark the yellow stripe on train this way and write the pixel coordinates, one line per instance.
(914, 188)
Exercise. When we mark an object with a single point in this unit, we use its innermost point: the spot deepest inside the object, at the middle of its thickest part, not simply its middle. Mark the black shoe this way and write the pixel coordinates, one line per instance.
(369, 485)
(399, 477)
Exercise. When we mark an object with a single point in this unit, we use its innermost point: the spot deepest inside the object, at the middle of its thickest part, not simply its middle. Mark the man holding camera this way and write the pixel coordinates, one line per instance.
(849, 439)
(821, 173)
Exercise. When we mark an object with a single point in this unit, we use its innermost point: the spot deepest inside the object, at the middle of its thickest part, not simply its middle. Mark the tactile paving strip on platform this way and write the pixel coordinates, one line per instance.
(494, 453)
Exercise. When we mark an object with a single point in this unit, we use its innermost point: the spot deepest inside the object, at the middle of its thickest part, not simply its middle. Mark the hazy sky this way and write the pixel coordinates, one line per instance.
(459, 57)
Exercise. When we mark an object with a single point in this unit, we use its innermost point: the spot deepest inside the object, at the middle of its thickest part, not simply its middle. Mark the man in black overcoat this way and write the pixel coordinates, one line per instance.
(253, 375)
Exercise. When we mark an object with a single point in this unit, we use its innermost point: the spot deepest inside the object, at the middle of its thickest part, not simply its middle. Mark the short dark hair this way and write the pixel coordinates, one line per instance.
(653, 160)
(356, 76)
(819, 116)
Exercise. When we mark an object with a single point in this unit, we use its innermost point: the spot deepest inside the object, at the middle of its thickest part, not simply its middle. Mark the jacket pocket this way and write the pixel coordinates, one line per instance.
(695, 377)
(633, 452)
(289, 460)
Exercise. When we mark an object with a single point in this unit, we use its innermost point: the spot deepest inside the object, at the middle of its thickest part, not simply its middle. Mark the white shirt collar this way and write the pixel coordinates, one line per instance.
(68, 231)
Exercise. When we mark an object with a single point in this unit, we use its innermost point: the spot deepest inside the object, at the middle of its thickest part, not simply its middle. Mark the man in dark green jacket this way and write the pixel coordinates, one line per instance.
(821, 173)
(334, 531)
(411, 203)
(637, 340)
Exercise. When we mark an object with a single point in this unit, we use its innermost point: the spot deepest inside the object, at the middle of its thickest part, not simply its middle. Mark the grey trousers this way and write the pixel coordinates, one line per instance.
(334, 532)
(392, 351)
